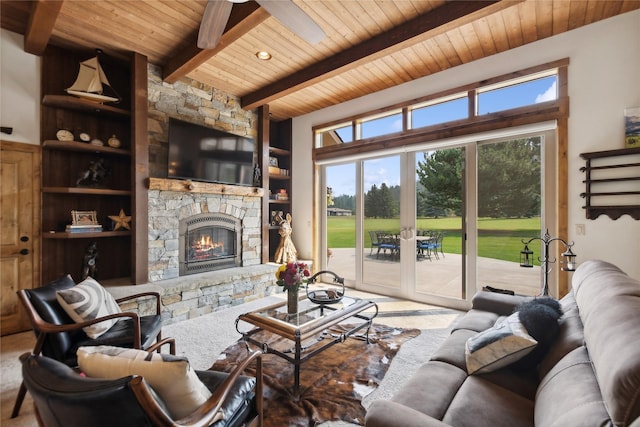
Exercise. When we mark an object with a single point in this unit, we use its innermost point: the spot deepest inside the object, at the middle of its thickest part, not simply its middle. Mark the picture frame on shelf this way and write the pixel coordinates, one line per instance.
(273, 161)
(84, 217)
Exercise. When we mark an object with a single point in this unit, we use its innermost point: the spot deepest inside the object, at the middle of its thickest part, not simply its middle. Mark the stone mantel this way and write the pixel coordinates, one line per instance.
(197, 187)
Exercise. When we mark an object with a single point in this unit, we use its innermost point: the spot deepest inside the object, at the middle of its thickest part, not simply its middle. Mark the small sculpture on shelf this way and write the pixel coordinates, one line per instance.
(121, 221)
(89, 261)
(257, 175)
(94, 174)
(286, 251)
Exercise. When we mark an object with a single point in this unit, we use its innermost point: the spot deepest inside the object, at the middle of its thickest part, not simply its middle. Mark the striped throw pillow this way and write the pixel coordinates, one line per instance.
(89, 300)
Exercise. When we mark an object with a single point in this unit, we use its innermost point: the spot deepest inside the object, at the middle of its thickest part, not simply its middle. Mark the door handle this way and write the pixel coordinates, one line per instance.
(24, 238)
(24, 252)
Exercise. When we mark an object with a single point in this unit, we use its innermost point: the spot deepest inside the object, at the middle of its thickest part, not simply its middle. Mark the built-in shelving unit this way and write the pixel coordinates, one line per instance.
(64, 163)
(275, 155)
(612, 178)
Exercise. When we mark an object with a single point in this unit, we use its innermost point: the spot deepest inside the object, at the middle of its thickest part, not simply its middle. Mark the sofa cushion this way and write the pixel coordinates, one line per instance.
(570, 336)
(431, 389)
(88, 300)
(475, 320)
(170, 376)
(569, 395)
(609, 303)
(481, 402)
(498, 346)
(452, 349)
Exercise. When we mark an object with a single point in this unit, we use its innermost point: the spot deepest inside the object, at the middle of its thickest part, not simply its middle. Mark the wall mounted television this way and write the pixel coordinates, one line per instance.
(201, 153)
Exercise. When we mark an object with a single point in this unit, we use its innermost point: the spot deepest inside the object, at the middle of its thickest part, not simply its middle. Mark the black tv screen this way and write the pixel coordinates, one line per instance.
(205, 154)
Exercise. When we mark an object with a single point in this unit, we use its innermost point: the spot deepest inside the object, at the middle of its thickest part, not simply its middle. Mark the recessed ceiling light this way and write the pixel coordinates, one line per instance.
(263, 55)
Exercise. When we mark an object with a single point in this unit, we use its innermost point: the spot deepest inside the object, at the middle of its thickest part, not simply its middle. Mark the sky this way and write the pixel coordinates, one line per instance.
(376, 171)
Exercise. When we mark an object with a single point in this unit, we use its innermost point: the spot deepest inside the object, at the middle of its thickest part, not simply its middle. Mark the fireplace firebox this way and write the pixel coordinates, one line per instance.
(210, 241)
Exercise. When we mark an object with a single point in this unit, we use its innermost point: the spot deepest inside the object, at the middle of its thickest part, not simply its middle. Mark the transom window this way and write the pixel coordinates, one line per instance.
(473, 103)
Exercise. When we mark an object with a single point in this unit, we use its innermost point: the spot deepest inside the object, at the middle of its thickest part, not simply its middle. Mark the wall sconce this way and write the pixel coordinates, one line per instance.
(568, 258)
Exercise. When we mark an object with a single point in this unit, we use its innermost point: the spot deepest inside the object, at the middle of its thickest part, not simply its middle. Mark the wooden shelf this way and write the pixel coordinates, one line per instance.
(86, 190)
(280, 177)
(275, 141)
(77, 104)
(82, 146)
(610, 153)
(98, 235)
(123, 253)
(611, 186)
(279, 151)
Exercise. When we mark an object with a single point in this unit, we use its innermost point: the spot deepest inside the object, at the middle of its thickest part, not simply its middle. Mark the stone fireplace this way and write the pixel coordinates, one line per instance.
(209, 242)
(196, 227)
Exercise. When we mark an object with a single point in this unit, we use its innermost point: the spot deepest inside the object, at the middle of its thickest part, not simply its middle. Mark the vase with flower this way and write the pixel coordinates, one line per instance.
(291, 276)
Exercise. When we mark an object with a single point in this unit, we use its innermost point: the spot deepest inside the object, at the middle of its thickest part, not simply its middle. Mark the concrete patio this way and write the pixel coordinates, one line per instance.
(440, 276)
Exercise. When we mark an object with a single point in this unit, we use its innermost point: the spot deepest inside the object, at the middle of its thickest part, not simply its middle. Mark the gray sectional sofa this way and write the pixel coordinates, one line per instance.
(589, 377)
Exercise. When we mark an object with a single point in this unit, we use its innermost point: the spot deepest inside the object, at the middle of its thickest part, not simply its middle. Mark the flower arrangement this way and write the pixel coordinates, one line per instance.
(291, 275)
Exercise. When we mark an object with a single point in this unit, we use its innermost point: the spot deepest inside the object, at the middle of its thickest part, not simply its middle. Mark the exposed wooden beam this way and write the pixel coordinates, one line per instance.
(40, 26)
(420, 28)
(244, 17)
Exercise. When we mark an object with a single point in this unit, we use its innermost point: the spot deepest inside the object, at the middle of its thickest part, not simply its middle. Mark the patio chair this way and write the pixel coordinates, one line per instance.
(389, 242)
(439, 240)
(58, 336)
(373, 234)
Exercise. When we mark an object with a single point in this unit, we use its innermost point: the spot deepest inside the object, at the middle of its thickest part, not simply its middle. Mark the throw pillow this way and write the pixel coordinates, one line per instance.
(171, 377)
(540, 317)
(498, 346)
(88, 300)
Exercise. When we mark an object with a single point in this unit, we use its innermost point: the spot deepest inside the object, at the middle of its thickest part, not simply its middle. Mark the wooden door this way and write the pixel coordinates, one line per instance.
(20, 230)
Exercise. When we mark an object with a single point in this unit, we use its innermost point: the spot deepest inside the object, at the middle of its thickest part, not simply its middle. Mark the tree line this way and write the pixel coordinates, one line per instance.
(508, 184)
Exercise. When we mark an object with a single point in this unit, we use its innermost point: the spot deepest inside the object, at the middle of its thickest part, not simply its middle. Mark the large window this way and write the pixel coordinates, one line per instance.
(491, 154)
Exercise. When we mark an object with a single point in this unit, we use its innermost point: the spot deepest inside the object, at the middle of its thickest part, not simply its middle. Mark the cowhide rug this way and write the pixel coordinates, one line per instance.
(332, 383)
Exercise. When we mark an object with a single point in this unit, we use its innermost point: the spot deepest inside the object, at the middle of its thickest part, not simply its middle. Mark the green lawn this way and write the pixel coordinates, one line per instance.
(498, 238)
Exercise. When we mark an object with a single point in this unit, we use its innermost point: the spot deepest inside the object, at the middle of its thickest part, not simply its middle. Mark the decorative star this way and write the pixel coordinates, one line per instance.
(121, 221)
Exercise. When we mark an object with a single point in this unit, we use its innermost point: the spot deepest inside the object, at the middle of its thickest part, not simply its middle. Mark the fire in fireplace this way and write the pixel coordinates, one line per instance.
(209, 242)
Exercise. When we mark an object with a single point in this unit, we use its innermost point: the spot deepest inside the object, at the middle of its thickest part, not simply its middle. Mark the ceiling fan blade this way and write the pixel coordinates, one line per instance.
(214, 20)
(294, 18)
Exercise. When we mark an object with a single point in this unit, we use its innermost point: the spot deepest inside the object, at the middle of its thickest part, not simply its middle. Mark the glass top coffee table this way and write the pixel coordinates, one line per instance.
(313, 329)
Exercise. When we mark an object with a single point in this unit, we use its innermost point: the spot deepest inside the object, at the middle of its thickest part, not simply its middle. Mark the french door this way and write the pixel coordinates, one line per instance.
(436, 224)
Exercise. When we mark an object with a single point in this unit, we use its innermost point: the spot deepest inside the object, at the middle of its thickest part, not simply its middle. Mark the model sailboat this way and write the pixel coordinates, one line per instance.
(91, 82)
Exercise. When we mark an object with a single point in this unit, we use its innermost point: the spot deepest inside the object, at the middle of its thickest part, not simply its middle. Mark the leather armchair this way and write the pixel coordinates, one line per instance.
(64, 398)
(58, 336)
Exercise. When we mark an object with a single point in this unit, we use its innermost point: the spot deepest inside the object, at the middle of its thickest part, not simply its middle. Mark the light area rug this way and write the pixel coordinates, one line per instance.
(204, 338)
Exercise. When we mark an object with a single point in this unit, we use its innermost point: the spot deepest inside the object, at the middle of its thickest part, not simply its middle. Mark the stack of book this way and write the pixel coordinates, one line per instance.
(84, 228)
(274, 170)
(282, 194)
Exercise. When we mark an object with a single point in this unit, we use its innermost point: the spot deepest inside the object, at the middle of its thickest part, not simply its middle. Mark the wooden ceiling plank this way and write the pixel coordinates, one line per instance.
(560, 16)
(544, 13)
(511, 19)
(577, 14)
(445, 46)
(527, 11)
(40, 26)
(244, 17)
(498, 32)
(440, 19)
(473, 41)
(461, 44)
